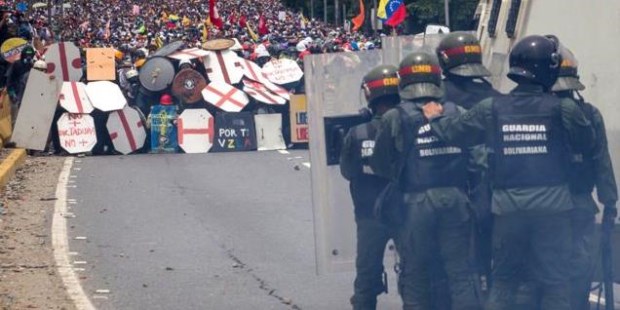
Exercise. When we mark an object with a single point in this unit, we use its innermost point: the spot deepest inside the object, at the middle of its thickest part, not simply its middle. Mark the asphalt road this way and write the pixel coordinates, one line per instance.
(216, 231)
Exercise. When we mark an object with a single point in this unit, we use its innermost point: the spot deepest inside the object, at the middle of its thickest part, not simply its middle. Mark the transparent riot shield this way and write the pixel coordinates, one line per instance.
(396, 48)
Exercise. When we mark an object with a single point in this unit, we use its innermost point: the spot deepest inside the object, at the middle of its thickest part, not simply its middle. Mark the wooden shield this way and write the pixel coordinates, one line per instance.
(74, 98)
(64, 61)
(191, 53)
(218, 44)
(106, 96)
(234, 132)
(196, 131)
(224, 66)
(188, 84)
(77, 133)
(259, 92)
(225, 97)
(283, 71)
(270, 128)
(126, 130)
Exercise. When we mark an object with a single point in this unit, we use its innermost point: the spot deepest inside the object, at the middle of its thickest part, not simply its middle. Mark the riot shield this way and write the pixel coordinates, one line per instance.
(396, 48)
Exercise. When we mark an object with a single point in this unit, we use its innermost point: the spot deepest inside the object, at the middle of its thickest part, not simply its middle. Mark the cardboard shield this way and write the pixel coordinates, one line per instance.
(225, 97)
(224, 66)
(169, 49)
(77, 133)
(280, 91)
(283, 71)
(126, 130)
(196, 131)
(188, 84)
(63, 60)
(157, 74)
(106, 96)
(269, 132)
(234, 132)
(100, 64)
(261, 93)
(11, 49)
(164, 138)
(74, 98)
(191, 53)
(36, 112)
(299, 119)
(253, 71)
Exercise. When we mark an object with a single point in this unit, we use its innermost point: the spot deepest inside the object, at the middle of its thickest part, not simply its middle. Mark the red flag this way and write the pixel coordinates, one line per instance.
(262, 26)
(398, 16)
(358, 20)
(233, 18)
(214, 16)
(243, 21)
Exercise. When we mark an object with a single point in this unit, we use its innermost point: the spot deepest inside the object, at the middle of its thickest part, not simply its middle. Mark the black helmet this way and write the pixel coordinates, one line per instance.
(568, 79)
(535, 59)
(420, 77)
(380, 81)
(460, 54)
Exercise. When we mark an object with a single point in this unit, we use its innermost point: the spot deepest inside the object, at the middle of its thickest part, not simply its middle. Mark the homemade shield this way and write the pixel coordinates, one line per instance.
(36, 112)
(12, 48)
(283, 71)
(63, 60)
(269, 132)
(196, 131)
(169, 49)
(225, 97)
(187, 85)
(100, 64)
(157, 74)
(164, 138)
(299, 119)
(126, 130)
(77, 133)
(74, 99)
(234, 132)
(106, 96)
(189, 54)
(224, 66)
(259, 92)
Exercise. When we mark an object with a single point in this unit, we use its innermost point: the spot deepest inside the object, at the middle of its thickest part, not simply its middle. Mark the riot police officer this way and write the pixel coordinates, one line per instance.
(589, 170)
(532, 133)
(380, 88)
(465, 83)
(433, 175)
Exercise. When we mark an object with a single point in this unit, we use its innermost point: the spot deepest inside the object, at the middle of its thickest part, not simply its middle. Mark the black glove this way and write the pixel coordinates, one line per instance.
(609, 217)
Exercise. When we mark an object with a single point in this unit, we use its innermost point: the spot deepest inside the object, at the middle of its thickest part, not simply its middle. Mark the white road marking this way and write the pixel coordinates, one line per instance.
(307, 165)
(60, 242)
(102, 291)
(73, 253)
(80, 238)
(284, 152)
(80, 262)
(101, 297)
(79, 269)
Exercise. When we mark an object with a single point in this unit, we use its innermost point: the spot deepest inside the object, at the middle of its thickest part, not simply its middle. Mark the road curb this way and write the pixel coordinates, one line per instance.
(10, 164)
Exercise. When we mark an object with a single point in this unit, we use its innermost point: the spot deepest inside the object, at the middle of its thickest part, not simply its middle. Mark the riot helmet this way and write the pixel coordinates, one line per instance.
(420, 77)
(460, 54)
(568, 78)
(380, 82)
(535, 60)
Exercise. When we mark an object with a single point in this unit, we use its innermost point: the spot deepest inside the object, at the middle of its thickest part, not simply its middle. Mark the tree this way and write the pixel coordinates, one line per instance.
(424, 12)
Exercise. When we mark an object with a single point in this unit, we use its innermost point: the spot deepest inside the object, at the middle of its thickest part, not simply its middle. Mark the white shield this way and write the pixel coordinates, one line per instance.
(36, 112)
(189, 54)
(195, 131)
(283, 71)
(280, 91)
(225, 96)
(74, 99)
(223, 66)
(253, 71)
(261, 93)
(106, 96)
(63, 61)
(126, 130)
(269, 132)
(77, 133)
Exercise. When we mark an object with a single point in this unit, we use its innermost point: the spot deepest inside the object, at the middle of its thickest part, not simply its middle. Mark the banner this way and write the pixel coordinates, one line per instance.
(299, 119)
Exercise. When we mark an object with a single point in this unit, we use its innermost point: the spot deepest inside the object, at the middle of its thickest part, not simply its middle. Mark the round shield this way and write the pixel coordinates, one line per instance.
(188, 84)
(11, 49)
(77, 133)
(218, 44)
(157, 74)
(169, 49)
(283, 71)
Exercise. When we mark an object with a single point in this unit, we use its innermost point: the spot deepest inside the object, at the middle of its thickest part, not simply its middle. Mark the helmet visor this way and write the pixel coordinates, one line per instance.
(470, 70)
(568, 83)
(421, 90)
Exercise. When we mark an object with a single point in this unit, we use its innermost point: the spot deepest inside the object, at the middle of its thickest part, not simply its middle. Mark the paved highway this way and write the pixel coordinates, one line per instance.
(216, 231)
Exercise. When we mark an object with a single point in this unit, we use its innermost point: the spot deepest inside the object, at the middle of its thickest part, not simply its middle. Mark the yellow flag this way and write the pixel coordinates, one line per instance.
(251, 32)
(159, 43)
(205, 32)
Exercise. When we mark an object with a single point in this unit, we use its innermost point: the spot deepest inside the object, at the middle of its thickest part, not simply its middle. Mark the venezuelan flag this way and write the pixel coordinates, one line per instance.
(393, 12)
(381, 12)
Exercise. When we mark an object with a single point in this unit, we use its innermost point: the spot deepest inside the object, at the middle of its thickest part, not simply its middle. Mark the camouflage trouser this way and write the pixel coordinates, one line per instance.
(582, 260)
(531, 262)
(372, 238)
(433, 239)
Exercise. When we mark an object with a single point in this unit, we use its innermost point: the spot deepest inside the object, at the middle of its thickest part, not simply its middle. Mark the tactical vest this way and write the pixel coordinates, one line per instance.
(530, 145)
(364, 142)
(466, 92)
(583, 172)
(432, 163)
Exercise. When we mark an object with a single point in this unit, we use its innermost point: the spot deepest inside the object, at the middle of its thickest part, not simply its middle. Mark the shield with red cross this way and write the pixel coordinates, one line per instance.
(191, 53)
(259, 92)
(224, 66)
(106, 96)
(74, 99)
(126, 130)
(253, 71)
(225, 96)
(278, 90)
(63, 61)
(77, 133)
(195, 131)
